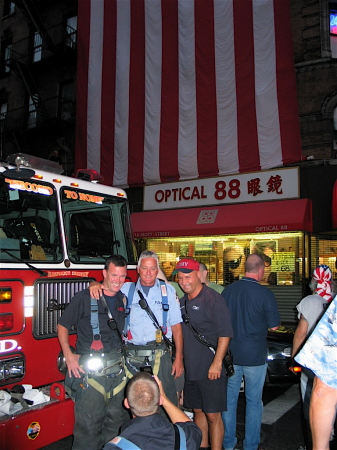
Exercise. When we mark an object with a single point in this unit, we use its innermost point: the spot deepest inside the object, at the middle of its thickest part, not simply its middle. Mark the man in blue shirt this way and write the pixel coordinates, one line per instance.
(253, 309)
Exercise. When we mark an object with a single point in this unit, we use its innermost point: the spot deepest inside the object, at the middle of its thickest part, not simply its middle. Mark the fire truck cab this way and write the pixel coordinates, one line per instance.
(56, 232)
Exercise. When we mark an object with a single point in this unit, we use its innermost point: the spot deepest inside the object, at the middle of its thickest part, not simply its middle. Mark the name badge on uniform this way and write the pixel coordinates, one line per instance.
(163, 290)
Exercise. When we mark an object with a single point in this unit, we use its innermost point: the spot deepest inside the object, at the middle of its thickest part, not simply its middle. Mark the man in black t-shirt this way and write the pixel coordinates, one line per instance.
(96, 375)
(205, 378)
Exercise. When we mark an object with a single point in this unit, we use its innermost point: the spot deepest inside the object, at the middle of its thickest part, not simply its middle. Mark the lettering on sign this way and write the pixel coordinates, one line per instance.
(83, 196)
(8, 345)
(271, 228)
(277, 184)
(68, 274)
(284, 262)
(177, 194)
(30, 187)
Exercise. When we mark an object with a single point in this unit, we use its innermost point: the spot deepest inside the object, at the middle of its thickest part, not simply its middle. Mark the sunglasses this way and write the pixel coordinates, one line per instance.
(267, 260)
(234, 263)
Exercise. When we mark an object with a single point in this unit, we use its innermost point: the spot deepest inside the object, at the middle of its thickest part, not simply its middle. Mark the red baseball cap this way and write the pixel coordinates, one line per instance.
(186, 265)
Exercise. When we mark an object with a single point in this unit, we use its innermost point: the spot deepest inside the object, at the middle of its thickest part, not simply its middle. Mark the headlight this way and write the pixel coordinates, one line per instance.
(12, 369)
(287, 352)
(278, 351)
(61, 361)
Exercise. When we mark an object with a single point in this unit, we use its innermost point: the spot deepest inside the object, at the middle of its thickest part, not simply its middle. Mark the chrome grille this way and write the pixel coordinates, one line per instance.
(50, 300)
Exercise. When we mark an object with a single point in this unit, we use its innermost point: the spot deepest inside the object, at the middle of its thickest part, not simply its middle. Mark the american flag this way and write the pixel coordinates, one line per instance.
(179, 89)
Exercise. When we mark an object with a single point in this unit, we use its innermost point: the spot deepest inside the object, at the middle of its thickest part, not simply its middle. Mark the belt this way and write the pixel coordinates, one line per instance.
(149, 354)
(149, 346)
(111, 367)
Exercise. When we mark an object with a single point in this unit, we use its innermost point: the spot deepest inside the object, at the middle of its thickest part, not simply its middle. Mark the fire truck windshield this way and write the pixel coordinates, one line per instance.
(96, 226)
(29, 225)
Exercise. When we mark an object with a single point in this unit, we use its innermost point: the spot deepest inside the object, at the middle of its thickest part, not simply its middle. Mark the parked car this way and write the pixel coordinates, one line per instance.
(279, 356)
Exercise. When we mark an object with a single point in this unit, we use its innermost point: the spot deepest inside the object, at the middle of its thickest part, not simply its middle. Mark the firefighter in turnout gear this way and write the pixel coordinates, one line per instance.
(96, 373)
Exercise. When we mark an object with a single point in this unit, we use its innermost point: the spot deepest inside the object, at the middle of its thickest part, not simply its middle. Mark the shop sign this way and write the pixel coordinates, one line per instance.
(283, 262)
(276, 184)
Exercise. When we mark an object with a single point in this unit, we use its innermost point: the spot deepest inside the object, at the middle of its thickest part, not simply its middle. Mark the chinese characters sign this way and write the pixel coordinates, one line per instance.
(277, 184)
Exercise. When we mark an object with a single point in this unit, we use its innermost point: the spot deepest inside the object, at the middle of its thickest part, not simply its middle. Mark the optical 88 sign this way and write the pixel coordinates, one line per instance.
(278, 184)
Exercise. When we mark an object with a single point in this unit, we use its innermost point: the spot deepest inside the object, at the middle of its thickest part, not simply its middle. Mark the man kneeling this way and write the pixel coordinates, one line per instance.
(148, 429)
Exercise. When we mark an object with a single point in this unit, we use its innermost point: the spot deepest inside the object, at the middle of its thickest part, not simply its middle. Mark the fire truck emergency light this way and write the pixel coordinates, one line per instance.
(29, 162)
(89, 175)
(6, 321)
(5, 295)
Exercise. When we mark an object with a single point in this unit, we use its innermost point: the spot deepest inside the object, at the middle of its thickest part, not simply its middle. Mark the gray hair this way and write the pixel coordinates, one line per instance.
(313, 286)
(202, 266)
(148, 254)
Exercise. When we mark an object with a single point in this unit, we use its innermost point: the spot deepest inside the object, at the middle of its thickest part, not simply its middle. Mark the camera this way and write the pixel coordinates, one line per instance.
(147, 369)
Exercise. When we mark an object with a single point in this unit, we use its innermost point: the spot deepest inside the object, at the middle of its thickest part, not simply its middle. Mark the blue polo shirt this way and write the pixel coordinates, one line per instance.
(253, 309)
(141, 328)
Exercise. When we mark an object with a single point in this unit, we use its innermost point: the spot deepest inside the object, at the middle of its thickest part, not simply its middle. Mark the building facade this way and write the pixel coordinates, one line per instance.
(37, 79)
(314, 29)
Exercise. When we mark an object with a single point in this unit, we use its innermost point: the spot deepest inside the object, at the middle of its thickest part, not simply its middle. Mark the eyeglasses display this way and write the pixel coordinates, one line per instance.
(234, 263)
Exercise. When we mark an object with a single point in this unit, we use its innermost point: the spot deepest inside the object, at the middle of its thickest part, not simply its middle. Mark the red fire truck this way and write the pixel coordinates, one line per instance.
(56, 232)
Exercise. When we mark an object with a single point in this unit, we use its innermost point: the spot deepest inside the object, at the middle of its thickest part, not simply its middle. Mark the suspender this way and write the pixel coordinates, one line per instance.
(124, 444)
(164, 301)
(96, 342)
(94, 316)
(179, 443)
(180, 438)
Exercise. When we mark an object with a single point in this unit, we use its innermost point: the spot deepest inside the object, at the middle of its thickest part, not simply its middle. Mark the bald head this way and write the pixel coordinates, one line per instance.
(254, 266)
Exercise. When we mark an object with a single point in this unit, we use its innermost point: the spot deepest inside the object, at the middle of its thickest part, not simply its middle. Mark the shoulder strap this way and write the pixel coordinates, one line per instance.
(94, 316)
(131, 293)
(180, 438)
(96, 342)
(124, 443)
(165, 304)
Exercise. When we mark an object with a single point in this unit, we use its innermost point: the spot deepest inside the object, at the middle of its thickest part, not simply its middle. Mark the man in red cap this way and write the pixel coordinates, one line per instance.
(206, 321)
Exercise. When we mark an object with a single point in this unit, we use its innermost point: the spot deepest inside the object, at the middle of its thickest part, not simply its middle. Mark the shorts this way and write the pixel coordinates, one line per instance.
(208, 395)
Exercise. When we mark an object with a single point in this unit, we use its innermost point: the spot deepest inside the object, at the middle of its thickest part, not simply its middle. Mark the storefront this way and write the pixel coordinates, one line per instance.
(224, 234)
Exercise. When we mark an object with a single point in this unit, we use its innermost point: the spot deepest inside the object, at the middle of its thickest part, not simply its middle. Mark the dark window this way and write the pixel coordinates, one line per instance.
(7, 58)
(9, 7)
(32, 111)
(37, 47)
(67, 101)
(71, 32)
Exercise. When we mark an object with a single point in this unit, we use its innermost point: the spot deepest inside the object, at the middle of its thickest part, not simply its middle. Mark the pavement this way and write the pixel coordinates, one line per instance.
(281, 422)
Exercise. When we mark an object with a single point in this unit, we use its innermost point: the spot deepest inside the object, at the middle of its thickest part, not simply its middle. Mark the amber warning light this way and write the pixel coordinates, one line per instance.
(5, 295)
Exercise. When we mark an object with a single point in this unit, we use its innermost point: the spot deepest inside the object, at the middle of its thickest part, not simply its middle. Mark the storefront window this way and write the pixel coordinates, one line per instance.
(324, 251)
(224, 256)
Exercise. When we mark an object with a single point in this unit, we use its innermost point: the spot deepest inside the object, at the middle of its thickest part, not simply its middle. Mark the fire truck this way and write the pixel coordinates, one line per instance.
(56, 232)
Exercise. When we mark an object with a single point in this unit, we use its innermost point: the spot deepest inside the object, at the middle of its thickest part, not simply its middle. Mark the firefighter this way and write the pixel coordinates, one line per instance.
(96, 372)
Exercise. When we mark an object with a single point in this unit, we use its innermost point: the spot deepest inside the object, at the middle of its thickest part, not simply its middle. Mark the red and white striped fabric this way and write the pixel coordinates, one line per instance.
(180, 89)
